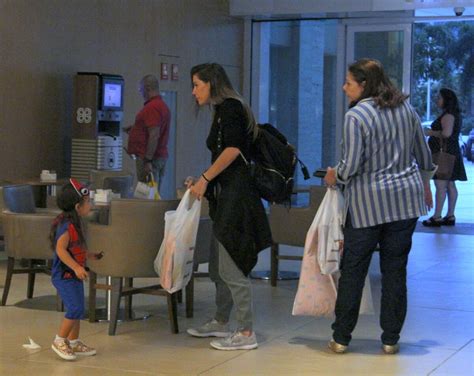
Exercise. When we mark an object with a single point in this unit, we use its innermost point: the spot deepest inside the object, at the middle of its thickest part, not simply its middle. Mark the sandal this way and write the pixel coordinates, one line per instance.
(448, 221)
(432, 222)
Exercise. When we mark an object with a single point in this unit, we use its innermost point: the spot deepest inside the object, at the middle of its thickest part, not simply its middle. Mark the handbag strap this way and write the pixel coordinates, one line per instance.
(442, 144)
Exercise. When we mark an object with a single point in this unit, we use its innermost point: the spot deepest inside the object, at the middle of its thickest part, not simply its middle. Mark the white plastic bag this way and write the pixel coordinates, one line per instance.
(328, 222)
(174, 262)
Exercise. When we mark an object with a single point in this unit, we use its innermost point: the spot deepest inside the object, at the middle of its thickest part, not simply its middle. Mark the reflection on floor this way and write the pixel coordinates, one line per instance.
(438, 337)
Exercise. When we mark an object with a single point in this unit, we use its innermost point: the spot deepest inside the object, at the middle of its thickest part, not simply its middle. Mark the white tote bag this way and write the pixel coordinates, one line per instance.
(317, 291)
(148, 190)
(174, 262)
(328, 222)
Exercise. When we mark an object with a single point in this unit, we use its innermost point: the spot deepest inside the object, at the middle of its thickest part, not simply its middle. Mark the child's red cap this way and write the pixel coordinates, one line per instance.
(80, 189)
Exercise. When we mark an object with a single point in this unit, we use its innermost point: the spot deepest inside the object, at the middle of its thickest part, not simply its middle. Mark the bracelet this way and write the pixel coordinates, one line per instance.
(206, 179)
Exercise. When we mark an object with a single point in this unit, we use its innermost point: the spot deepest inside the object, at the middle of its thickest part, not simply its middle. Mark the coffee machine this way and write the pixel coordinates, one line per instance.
(96, 128)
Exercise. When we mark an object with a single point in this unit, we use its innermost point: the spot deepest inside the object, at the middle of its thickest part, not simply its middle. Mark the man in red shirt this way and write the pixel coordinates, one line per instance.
(148, 136)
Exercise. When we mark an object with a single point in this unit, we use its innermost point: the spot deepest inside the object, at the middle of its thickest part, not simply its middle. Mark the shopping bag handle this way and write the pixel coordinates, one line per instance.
(150, 178)
(188, 201)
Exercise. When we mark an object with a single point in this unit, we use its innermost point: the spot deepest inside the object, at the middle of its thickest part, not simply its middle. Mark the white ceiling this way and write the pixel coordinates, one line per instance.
(302, 8)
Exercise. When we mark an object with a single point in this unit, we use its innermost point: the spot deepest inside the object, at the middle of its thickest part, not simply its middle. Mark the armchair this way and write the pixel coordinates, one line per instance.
(290, 225)
(26, 231)
(130, 243)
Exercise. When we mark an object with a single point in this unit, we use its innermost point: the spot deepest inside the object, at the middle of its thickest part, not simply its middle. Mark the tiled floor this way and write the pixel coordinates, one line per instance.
(438, 337)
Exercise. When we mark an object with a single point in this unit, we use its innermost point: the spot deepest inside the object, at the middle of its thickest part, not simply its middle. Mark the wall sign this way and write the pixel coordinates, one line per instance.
(174, 72)
(164, 71)
(84, 115)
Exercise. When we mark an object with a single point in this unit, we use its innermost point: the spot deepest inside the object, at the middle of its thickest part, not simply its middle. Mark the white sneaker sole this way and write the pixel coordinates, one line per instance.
(244, 347)
(195, 333)
(89, 353)
(63, 356)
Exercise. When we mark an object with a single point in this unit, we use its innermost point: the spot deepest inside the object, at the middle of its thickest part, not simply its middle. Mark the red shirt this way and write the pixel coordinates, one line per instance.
(75, 249)
(155, 113)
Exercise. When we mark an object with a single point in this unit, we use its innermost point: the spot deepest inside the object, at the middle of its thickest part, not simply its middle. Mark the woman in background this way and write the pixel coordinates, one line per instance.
(445, 130)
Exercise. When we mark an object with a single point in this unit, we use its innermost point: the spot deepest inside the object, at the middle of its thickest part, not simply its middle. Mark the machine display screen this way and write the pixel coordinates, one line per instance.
(112, 95)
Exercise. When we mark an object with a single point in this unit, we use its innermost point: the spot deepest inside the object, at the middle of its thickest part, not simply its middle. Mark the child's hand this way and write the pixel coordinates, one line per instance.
(81, 273)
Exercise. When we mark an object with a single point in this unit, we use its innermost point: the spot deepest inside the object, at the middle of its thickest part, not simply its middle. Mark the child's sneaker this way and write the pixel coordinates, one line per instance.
(63, 349)
(81, 349)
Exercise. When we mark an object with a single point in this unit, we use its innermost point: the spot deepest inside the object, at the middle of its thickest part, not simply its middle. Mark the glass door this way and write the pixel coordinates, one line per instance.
(296, 86)
(390, 44)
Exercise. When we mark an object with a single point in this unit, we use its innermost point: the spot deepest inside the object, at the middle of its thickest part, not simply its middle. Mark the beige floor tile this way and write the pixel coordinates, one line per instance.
(448, 271)
(460, 364)
(19, 324)
(60, 368)
(148, 347)
(307, 355)
(439, 325)
(441, 295)
(429, 328)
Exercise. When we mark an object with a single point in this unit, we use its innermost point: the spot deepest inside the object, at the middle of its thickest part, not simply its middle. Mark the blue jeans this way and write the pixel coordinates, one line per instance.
(394, 240)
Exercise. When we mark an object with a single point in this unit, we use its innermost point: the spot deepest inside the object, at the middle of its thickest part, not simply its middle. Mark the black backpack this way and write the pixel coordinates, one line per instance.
(274, 165)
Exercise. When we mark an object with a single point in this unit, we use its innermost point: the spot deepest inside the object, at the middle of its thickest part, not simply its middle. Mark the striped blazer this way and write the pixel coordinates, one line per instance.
(385, 158)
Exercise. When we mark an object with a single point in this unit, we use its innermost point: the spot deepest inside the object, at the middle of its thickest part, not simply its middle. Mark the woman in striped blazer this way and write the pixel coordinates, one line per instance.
(385, 170)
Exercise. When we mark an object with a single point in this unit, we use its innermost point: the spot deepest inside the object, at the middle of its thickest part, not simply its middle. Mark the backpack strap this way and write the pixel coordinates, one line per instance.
(304, 169)
(245, 159)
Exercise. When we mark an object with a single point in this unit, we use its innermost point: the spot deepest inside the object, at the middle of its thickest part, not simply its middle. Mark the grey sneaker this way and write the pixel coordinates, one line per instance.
(212, 328)
(236, 341)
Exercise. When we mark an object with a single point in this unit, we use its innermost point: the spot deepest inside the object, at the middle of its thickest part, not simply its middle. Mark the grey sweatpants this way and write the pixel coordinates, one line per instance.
(232, 287)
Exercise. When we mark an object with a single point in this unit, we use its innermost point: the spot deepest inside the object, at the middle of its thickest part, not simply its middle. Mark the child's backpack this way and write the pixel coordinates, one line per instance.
(274, 165)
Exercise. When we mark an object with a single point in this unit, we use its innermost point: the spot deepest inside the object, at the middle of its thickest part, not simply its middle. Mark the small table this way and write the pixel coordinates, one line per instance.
(42, 188)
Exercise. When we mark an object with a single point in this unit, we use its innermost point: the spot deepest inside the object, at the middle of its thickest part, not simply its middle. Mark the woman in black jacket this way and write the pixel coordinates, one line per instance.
(240, 224)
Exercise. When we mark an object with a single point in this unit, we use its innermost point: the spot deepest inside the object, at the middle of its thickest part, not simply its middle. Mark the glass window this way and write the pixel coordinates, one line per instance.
(296, 88)
(385, 46)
